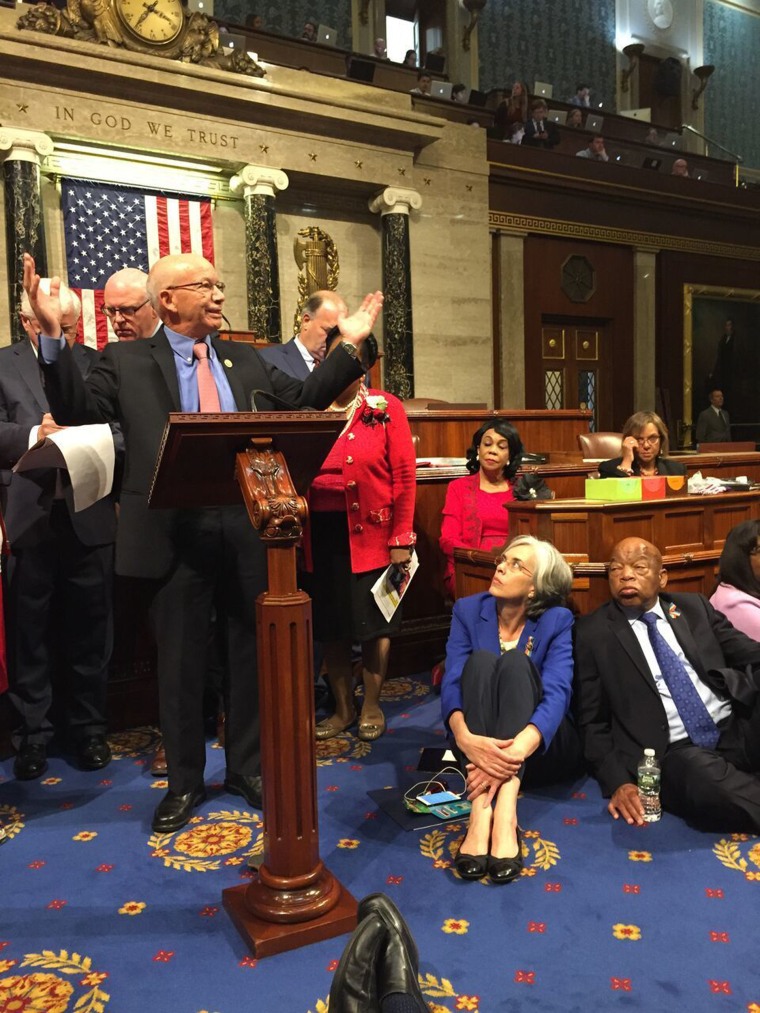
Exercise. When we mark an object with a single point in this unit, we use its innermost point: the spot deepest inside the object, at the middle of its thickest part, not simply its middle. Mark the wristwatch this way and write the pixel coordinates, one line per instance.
(351, 349)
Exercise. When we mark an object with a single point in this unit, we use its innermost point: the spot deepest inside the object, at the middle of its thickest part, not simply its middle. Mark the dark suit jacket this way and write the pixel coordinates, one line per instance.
(474, 627)
(531, 139)
(28, 497)
(665, 466)
(712, 428)
(620, 713)
(288, 358)
(135, 383)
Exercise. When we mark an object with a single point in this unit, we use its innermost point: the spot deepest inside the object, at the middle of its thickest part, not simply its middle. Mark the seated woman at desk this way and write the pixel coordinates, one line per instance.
(644, 450)
(473, 514)
(737, 595)
(505, 698)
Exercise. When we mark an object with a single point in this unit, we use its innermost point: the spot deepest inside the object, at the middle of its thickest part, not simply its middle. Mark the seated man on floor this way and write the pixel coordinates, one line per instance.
(668, 672)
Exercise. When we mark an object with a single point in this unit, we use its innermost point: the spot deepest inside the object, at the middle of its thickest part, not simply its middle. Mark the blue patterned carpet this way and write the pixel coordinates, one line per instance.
(99, 916)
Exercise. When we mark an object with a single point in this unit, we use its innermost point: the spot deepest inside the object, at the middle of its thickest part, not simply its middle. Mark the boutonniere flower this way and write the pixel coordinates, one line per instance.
(375, 410)
(530, 644)
(673, 612)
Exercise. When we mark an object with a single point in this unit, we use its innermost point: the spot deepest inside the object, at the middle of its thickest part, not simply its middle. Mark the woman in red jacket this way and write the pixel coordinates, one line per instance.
(473, 514)
(361, 514)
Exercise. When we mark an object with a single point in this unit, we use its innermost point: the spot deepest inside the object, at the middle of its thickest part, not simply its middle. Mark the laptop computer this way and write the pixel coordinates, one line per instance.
(230, 41)
(201, 7)
(558, 115)
(327, 36)
(670, 141)
(435, 62)
(651, 163)
(644, 114)
(594, 123)
(542, 89)
(360, 70)
(477, 98)
(700, 174)
(441, 89)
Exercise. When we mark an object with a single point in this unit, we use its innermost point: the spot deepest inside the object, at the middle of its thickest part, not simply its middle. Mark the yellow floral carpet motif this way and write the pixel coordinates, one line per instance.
(434, 988)
(134, 744)
(441, 846)
(226, 838)
(12, 821)
(730, 853)
(67, 983)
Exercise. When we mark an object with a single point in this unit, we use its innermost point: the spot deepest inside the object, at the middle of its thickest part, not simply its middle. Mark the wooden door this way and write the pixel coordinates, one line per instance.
(575, 368)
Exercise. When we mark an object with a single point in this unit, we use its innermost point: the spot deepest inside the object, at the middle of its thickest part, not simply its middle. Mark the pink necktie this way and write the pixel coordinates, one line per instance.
(208, 395)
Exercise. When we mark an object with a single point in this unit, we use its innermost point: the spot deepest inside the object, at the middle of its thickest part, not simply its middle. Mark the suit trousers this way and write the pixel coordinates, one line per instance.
(499, 696)
(720, 786)
(60, 624)
(219, 569)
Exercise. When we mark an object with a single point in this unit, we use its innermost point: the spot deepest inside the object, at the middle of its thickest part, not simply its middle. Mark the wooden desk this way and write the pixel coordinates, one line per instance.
(689, 531)
(447, 431)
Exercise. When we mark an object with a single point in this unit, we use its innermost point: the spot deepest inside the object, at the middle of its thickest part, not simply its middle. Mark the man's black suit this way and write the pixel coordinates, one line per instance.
(288, 358)
(531, 138)
(620, 712)
(196, 560)
(61, 566)
(712, 427)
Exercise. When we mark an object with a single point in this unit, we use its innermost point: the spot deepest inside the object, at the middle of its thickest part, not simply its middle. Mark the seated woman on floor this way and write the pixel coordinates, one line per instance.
(737, 595)
(473, 514)
(644, 450)
(505, 698)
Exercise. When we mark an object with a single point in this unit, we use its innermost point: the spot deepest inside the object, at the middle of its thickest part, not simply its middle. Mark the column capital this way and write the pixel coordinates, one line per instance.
(24, 145)
(395, 200)
(256, 179)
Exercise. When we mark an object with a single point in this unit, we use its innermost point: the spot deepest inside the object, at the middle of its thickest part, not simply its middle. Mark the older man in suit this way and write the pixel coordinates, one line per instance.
(299, 356)
(668, 672)
(713, 424)
(194, 560)
(60, 574)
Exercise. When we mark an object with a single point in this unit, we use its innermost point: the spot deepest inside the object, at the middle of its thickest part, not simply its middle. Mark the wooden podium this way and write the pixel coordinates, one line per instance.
(207, 460)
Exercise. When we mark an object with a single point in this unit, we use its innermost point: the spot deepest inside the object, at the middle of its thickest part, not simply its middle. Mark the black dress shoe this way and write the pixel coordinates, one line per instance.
(505, 870)
(378, 903)
(470, 866)
(30, 762)
(247, 785)
(397, 974)
(174, 811)
(354, 984)
(94, 753)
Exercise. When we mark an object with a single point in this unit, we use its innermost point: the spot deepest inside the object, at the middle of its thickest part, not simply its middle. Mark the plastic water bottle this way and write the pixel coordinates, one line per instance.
(649, 786)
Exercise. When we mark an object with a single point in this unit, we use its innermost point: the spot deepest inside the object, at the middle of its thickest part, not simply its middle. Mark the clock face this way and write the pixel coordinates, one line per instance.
(155, 22)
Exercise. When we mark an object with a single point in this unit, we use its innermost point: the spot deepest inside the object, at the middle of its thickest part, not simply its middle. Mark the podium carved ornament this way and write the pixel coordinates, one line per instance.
(276, 510)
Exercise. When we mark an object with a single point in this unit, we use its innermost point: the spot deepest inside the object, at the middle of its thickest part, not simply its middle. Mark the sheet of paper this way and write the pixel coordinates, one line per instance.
(386, 594)
(86, 452)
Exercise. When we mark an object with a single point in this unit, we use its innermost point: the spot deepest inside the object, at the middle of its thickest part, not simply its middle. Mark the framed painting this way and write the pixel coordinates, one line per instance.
(721, 351)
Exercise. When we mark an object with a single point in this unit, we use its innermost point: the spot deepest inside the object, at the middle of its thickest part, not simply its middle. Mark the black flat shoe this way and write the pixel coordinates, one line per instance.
(31, 761)
(470, 866)
(247, 785)
(94, 753)
(505, 870)
(174, 811)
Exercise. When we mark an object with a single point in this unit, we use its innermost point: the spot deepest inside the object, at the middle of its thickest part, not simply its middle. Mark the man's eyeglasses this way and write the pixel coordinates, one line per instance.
(200, 286)
(125, 311)
(513, 564)
(647, 441)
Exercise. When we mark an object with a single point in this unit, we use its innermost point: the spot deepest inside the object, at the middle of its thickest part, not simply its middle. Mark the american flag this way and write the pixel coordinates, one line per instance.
(108, 226)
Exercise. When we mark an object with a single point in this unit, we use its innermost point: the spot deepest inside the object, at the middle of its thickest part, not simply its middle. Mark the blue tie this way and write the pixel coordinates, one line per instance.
(699, 726)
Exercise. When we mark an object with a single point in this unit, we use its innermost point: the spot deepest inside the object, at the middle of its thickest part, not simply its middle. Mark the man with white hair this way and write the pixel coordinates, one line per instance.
(60, 573)
(127, 306)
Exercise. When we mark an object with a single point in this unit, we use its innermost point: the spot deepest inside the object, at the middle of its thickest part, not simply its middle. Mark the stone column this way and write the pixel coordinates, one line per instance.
(394, 204)
(644, 266)
(511, 379)
(22, 152)
(259, 185)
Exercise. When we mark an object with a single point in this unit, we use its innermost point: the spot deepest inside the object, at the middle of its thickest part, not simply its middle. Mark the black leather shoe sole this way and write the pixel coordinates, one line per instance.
(30, 763)
(174, 811)
(249, 787)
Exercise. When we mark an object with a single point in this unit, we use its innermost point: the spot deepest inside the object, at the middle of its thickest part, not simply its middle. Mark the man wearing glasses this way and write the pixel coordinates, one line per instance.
(197, 561)
(127, 306)
(60, 574)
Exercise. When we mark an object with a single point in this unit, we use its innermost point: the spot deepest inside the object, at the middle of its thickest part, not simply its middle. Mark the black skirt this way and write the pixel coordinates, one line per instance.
(343, 607)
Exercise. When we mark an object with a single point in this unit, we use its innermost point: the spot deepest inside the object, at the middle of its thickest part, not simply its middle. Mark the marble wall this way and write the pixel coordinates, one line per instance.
(732, 44)
(558, 41)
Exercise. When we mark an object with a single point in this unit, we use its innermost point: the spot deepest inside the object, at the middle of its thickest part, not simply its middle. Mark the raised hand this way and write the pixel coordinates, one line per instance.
(46, 308)
(356, 327)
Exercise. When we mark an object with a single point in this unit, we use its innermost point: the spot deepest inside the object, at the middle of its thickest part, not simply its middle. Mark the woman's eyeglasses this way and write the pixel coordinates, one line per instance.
(514, 564)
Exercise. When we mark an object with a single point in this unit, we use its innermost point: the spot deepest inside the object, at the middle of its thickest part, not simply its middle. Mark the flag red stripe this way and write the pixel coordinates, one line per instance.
(207, 231)
(184, 227)
(163, 227)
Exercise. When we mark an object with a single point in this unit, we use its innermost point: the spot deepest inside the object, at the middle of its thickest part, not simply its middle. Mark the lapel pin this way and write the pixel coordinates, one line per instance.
(529, 646)
(228, 364)
(673, 611)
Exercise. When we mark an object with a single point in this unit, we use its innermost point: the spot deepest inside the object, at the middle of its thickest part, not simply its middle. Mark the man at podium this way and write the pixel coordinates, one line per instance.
(193, 561)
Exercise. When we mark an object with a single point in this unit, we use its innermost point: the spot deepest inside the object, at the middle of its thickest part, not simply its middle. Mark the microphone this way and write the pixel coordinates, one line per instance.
(287, 405)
